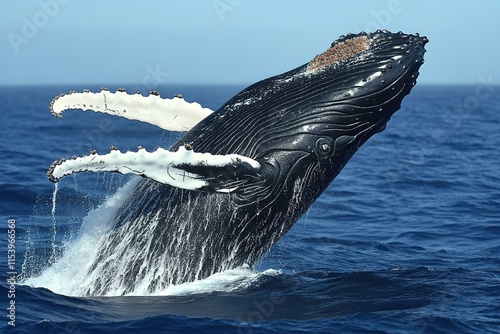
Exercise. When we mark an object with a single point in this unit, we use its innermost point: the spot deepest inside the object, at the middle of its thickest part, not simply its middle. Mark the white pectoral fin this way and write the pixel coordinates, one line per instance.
(182, 169)
(169, 114)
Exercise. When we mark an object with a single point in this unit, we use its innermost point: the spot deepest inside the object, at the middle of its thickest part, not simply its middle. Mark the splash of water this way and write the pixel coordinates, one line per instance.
(74, 273)
(53, 255)
(229, 280)
(67, 274)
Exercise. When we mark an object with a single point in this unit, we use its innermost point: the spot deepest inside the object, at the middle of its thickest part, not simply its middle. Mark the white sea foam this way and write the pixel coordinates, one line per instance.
(68, 274)
(229, 280)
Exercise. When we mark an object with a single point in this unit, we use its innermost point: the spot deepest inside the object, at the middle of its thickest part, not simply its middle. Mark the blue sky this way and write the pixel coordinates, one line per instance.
(229, 41)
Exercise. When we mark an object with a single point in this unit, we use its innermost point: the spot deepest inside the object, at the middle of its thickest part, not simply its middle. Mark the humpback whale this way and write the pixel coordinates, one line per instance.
(242, 175)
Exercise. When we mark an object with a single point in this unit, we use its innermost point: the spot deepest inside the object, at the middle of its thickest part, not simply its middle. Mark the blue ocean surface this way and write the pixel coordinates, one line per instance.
(405, 240)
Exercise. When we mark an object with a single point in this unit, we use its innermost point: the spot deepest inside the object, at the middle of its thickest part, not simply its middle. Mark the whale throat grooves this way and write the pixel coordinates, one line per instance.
(339, 52)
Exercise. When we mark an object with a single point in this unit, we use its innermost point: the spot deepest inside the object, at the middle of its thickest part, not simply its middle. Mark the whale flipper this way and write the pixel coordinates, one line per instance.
(169, 114)
(184, 168)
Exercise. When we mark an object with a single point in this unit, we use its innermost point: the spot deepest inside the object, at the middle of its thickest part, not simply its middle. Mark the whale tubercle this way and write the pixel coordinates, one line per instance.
(339, 52)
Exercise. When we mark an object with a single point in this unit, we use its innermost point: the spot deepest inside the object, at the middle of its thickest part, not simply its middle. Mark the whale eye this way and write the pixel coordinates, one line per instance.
(323, 147)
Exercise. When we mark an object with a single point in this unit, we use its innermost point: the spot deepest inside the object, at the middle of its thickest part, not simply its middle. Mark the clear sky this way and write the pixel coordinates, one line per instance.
(229, 41)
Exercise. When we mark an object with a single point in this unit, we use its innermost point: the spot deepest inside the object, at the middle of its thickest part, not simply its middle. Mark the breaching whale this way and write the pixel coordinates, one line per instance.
(241, 176)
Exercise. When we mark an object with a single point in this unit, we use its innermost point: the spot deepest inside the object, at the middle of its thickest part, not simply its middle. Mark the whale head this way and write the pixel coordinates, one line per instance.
(304, 125)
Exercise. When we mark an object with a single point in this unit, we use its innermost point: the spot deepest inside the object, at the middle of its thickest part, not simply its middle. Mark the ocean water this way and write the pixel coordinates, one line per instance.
(405, 240)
